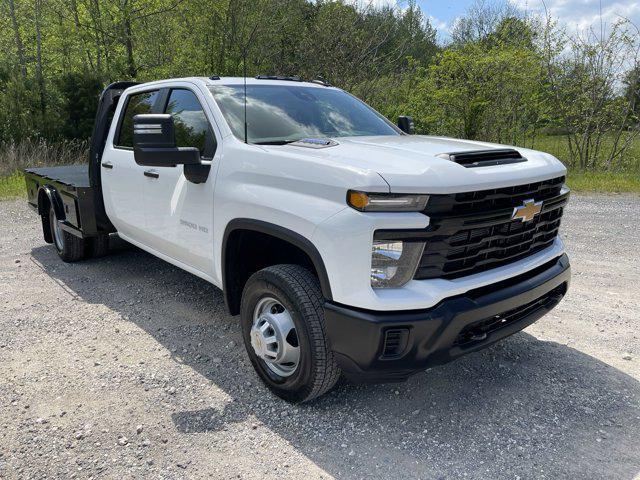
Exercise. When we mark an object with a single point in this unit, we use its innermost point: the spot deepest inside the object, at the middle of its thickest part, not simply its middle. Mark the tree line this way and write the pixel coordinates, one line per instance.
(501, 76)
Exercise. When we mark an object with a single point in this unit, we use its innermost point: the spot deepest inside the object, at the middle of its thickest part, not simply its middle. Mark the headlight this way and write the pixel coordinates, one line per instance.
(393, 263)
(386, 202)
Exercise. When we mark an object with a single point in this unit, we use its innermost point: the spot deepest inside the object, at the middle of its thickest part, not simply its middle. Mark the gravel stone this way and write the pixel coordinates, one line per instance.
(556, 401)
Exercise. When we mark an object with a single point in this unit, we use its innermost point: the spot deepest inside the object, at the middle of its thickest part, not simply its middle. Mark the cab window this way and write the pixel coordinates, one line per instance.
(191, 124)
(138, 103)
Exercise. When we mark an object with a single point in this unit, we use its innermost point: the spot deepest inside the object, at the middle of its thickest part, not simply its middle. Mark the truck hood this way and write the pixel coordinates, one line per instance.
(409, 163)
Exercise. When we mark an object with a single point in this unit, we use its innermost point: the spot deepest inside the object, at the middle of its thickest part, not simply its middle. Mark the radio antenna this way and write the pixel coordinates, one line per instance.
(244, 67)
(244, 78)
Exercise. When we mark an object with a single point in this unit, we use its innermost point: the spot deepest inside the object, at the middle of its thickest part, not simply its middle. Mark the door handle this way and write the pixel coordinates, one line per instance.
(151, 174)
(108, 165)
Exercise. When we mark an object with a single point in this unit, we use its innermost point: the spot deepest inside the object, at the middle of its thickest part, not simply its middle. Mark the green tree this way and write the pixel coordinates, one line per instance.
(589, 105)
(477, 93)
(79, 100)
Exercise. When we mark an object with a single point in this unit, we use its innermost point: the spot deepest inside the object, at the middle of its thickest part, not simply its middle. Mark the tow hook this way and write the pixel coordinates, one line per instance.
(476, 337)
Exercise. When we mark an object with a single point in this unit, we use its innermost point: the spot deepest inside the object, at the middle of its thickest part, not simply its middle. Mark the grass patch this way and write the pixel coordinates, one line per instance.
(12, 186)
(557, 146)
(604, 182)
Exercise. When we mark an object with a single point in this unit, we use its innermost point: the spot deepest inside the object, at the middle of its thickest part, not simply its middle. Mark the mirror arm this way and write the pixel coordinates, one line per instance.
(405, 123)
(197, 173)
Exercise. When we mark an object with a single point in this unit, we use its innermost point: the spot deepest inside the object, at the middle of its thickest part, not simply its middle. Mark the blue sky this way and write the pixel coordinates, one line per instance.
(575, 15)
(445, 12)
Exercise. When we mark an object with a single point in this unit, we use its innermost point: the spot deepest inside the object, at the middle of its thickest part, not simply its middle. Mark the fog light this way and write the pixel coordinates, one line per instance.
(393, 263)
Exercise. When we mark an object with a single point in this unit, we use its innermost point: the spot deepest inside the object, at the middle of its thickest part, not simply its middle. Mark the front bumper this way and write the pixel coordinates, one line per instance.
(390, 346)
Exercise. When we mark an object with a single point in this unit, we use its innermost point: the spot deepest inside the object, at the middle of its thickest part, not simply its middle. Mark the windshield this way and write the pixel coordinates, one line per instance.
(278, 114)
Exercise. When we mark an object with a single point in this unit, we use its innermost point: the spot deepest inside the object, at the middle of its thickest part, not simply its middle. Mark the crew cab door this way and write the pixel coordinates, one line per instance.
(122, 178)
(179, 212)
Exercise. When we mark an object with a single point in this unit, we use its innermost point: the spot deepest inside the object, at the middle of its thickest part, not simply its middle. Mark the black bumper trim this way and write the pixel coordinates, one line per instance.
(357, 336)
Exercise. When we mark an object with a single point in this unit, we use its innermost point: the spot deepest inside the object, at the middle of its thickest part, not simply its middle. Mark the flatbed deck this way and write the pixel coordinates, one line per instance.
(68, 188)
(69, 175)
(74, 191)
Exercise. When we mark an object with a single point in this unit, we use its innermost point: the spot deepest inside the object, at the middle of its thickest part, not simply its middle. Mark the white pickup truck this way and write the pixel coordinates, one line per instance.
(347, 245)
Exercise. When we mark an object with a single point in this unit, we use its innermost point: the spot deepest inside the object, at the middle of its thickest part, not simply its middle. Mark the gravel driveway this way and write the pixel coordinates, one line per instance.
(127, 367)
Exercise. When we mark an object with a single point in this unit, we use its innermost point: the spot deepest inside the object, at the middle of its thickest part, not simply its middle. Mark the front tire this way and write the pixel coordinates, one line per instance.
(283, 329)
(69, 247)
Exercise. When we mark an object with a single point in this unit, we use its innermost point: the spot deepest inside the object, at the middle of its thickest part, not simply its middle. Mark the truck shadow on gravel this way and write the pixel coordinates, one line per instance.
(524, 408)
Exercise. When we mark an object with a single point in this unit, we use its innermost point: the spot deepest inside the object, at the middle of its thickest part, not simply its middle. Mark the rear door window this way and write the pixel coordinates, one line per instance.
(138, 103)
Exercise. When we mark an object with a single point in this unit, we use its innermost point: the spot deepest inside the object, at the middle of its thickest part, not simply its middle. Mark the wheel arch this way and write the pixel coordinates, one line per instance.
(48, 196)
(232, 282)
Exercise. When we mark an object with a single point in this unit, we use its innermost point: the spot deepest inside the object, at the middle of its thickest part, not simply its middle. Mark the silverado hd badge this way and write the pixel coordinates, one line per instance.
(528, 210)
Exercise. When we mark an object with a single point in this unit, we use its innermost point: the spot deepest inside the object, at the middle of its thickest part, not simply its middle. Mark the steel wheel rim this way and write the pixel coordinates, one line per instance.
(274, 338)
(57, 231)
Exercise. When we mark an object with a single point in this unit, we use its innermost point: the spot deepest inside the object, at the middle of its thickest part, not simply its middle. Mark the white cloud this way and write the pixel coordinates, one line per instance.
(440, 25)
(582, 15)
(443, 28)
(374, 3)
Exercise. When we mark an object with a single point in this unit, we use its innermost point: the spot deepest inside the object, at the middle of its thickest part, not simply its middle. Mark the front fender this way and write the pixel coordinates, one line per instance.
(281, 233)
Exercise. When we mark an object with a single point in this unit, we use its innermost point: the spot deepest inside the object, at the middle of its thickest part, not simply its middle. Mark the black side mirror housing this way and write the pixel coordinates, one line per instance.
(154, 143)
(405, 124)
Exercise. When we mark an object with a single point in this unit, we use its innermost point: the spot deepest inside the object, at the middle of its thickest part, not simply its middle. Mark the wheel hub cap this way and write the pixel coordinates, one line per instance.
(57, 232)
(274, 338)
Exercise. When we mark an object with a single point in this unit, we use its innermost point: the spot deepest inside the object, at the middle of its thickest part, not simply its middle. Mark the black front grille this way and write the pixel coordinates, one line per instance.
(473, 231)
(484, 201)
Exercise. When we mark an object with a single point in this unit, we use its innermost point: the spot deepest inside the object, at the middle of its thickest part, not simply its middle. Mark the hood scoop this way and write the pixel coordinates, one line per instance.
(484, 158)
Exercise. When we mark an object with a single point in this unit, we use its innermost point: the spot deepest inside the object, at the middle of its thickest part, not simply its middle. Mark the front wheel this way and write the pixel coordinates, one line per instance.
(283, 329)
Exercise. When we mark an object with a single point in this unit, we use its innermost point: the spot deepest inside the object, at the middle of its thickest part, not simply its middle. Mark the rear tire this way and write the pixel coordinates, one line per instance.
(69, 247)
(294, 292)
(98, 246)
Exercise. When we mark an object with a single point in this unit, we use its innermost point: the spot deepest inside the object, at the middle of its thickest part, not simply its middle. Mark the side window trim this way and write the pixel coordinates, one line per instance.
(211, 136)
(162, 100)
(154, 109)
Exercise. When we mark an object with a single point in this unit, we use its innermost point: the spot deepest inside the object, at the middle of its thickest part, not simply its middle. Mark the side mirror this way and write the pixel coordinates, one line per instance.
(406, 124)
(154, 143)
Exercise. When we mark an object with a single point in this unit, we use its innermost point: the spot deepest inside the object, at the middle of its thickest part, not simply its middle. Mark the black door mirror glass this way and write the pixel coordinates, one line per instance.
(405, 123)
(154, 143)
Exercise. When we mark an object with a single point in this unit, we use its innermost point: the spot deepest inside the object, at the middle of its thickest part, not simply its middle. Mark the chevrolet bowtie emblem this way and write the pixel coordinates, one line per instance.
(528, 210)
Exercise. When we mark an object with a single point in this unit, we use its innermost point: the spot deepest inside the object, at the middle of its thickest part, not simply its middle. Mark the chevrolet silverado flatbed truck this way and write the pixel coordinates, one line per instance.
(347, 245)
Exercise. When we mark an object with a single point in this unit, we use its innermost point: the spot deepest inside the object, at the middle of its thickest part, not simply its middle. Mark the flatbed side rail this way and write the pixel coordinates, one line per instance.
(74, 204)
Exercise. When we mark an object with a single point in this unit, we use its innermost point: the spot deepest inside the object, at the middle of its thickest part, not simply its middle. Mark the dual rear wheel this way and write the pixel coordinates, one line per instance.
(71, 248)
